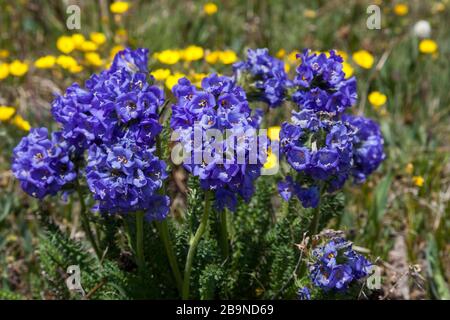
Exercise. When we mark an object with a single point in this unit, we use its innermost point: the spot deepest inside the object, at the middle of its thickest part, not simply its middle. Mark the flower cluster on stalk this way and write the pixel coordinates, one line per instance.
(336, 265)
(219, 105)
(265, 74)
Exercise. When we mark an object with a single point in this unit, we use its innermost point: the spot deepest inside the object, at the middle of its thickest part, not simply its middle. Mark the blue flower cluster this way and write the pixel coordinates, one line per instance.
(368, 148)
(43, 165)
(115, 117)
(266, 74)
(219, 106)
(336, 265)
(321, 83)
(304, 294)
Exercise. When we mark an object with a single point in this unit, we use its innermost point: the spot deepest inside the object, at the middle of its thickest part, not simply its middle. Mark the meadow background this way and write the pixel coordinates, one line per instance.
(401, 214)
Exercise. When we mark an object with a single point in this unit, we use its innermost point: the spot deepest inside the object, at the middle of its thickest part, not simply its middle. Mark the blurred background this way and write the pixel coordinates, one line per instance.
(401, 215)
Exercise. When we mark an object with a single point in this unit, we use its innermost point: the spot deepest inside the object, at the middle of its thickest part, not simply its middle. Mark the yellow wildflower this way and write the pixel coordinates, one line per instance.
(119, 7)
(65, 44)
(196, 79)
(21, 123)
(377, 99)
(98, 38)
(210, 8)
(287, 67)
(274, 133)
(6, 113)
(75, 68)
(173, 80)
(212, 57)
(228, 57)
(18, 68)
(308, 13)
(168, 56)
(342, 54)
(418, 181)
(280, 54)
(401, 9)
(347, 69)
(409, 168)
(363, 58)
(292, 57)
(193, 53)
(4, 70)
(428, 46)
(93, 59)
(115, 50)
(88, 46)
(45, 62)
(66, 62)
(4, 54)
(160, 74)
(78, 40)
(271, 161)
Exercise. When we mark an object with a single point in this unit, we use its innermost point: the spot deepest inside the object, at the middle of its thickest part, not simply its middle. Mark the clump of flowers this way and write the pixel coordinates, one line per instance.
(265, 75)
(368, 151)
(335, 265)
(321, 84)
(42, 164)
(219, 105)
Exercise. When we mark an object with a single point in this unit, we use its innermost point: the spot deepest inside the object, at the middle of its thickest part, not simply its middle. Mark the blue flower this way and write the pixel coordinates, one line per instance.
(336, 265)
(321, 83)
(264, 73)
(223, 165)
(42, 165)
(304, 294)
(368, 146)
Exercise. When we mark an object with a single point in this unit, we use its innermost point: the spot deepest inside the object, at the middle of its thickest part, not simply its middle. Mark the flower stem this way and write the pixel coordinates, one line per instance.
(193, 246)
(140, 241)
(224, 235)
(85, 223)
(314, 227)
(164, 234)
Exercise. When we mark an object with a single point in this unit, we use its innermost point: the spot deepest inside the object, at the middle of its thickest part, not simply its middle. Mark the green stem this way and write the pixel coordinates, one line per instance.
(314, 227)
(85, 223)
(164, 234)
(224, 235)
(140, 241)
(193, 246)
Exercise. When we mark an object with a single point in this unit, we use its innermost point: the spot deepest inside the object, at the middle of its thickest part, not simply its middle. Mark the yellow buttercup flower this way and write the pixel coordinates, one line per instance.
(228, 57)
(196, 79)
(21, 123)
(75, 68)
(210, 8)
(4, 54)
(88, 46)
(18, 68)
(292, 57)
(428, 46)
(45, 62)
(66, 62)
(274, 133)
(115, 50)
(212, 57)
(287, 67)
(6, 113)
(168, 56)
(119, 7)
(160, 74)
(65, 44)
(377, 99)
(342, 54)
(347, 69)
(193, 53)
(280, 54)
(98, 38)
(94, 59)
(4, 70)
(418, 181)
(409, 168)
(172, 80)
(78, 39)
(401, 9)
(271, 160)
(363, 58)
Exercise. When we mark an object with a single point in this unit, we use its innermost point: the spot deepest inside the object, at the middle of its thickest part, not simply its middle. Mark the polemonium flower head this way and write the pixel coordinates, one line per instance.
(321, 84)
(264, 73)
(126, 177)
(219, 106)
(42, 164)
(368, 146)
(335, 265)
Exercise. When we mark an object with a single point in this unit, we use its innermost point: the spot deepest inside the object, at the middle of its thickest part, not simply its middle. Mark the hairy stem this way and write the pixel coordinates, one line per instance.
(140, 241)
(224, 245)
